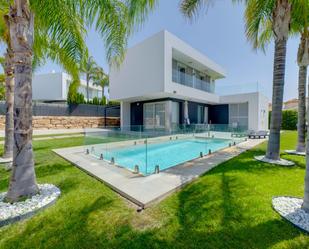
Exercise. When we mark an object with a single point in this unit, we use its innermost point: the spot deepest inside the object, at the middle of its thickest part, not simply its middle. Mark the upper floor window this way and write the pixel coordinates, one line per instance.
(186, 75)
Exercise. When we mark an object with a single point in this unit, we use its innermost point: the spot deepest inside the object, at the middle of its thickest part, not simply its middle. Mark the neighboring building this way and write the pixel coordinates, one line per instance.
(164, 82)
(291, 104)
(55, 87)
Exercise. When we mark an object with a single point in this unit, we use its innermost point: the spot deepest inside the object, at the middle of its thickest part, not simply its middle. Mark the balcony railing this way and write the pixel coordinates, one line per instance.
(192, 81)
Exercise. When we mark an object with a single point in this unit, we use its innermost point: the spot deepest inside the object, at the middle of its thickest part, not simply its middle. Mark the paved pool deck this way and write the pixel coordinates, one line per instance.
(146, 190)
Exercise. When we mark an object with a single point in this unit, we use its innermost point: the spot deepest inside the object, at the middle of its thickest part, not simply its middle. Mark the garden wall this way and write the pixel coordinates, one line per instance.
(68, 122)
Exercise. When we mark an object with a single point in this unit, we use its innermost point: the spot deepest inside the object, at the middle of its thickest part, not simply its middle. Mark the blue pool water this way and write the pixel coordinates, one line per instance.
(165, 154)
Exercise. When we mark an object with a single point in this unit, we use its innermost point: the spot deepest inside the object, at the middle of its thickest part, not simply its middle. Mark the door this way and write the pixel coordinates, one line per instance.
(154, 115)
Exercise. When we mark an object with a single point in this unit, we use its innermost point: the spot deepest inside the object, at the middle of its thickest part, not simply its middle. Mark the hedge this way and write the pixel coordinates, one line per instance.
(289, 120)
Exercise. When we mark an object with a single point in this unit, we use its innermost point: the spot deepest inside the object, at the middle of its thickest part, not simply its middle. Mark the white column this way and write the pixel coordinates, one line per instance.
(205, 115)
(186, 112)
(125, 114)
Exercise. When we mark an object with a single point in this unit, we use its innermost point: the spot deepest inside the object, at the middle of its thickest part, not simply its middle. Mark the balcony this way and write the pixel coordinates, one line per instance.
(192, 81)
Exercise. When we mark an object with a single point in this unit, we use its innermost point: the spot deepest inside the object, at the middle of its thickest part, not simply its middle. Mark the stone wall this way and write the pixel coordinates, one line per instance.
(62, 122)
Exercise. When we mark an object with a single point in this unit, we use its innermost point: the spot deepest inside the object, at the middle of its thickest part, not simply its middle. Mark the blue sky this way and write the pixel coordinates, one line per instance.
(220, 35)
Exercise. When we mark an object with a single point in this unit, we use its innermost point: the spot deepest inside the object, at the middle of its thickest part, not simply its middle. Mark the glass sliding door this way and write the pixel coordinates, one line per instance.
(154, 115)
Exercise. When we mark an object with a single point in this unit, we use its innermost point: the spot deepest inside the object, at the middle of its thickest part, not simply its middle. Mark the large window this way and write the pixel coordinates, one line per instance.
(154, 115)
(186, 75)
(238, 115)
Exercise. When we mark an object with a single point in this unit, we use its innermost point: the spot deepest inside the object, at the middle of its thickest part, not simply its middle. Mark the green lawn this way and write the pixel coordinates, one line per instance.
(229, 207)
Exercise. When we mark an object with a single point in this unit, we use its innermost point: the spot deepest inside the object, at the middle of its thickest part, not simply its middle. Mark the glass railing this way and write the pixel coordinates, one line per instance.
(231, 88)
(147, 151)
(192, 81)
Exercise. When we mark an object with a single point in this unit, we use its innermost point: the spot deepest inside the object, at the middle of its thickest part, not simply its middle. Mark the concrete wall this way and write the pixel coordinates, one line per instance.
(171, 42)
(125, 114)
(141, 72)
(63, 122)
(257, 105)
(47, 87)
(55, 86)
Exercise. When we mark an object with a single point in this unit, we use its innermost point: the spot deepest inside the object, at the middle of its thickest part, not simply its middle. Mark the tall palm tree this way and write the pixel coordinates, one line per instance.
(9, 85)
(44, 47)
(266, 20)
(300, 26)
(302, 62)
(89, 68)
(114, 20)
(101, 79)
(20, 21)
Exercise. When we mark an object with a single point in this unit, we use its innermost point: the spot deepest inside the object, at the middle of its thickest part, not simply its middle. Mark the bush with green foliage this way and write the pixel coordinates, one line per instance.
(74, 97)
(113, 103)
(95, 101)
(103, 101)
(289, 120)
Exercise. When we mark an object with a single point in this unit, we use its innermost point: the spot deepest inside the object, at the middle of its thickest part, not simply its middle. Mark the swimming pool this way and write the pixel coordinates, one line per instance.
(166, 154)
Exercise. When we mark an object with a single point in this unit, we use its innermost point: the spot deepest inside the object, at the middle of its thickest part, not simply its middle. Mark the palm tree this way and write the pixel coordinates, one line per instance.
(44, 47)
(101, 79)
(88, 67)
(266, 20)
(9, 86)
(300, 26)
(274, 16)
(64, 21)
(302, 62)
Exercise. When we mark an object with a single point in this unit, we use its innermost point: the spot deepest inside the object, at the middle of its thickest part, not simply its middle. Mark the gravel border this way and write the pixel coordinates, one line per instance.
(281, 162)
(290, 209)
(11, 213)
(294, 152)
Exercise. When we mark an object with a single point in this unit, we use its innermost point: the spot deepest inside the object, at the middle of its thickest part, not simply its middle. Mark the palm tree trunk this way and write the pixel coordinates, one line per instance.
(9, 96)
(23, 180)
(273, 148)
(301, 125)
(87, 90)
(305, 205)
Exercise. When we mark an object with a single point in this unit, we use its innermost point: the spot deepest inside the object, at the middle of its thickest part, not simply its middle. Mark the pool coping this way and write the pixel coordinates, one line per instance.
(147, 190)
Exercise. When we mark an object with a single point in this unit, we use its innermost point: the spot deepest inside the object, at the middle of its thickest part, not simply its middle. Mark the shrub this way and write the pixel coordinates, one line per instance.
(95, 101)
(103, 101)
(289, 120)
(74, 97)
(113, 103)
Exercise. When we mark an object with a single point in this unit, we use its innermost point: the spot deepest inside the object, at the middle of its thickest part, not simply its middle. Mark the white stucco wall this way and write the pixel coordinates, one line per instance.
(54, 86)
(257, 104)
(125, 114)
(47, 87)
(142, 71)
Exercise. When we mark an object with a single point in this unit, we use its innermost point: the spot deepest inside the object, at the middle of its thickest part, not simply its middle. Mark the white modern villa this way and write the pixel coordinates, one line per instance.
(165, 82)
(55, 87)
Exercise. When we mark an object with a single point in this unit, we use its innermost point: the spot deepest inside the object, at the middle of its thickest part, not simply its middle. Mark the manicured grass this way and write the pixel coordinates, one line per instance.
(229, 207)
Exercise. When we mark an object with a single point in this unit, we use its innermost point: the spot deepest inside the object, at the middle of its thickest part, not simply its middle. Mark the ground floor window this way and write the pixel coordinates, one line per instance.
(238, 115)
(154, 115)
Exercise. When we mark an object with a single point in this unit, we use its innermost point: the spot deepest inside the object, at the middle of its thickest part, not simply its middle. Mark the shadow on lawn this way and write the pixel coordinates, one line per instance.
(246, 162)
(206, 218)
(209, 214)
